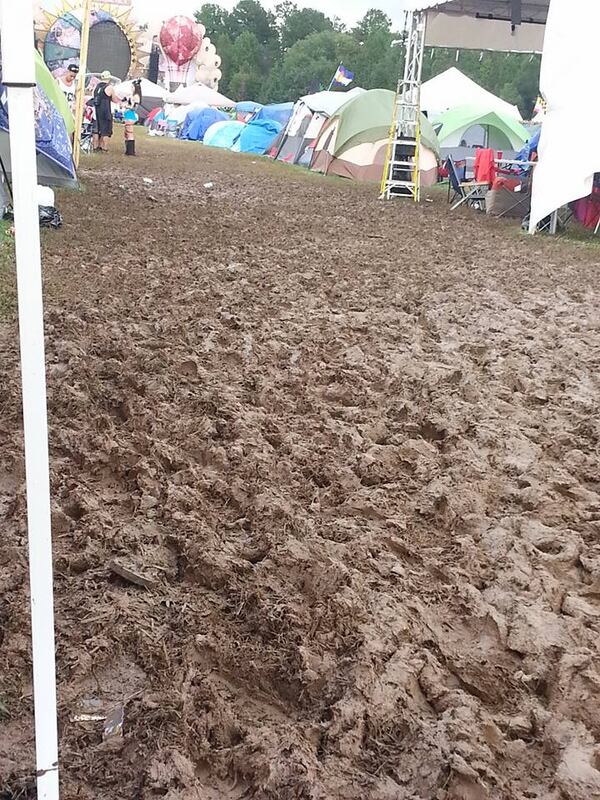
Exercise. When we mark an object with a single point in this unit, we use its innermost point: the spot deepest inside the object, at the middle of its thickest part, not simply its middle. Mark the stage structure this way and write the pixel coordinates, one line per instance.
(176, 52)
(115, 42)
(512, 26)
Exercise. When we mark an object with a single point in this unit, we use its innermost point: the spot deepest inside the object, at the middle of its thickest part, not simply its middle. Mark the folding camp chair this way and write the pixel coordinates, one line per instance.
(470, 192)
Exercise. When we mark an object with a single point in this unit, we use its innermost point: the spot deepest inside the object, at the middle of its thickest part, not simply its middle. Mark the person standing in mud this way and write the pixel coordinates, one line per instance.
(130, 117)
(104, 96)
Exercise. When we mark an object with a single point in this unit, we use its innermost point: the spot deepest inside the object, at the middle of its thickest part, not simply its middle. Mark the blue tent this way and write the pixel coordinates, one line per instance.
(223, 134)
(248, 107)
(530, 147)
(258, 135)
(278, 112)
(198, 121)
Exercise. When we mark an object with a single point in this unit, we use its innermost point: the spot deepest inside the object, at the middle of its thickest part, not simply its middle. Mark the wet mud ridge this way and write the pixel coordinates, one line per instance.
(326, 510)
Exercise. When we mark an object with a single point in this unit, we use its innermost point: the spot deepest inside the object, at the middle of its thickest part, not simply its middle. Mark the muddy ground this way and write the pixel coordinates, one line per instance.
(325, 490)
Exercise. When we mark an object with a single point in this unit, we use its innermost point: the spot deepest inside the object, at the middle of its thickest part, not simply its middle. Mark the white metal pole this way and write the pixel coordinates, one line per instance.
(18, 75)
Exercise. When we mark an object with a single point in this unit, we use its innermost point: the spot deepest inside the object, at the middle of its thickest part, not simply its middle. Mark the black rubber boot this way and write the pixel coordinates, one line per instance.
(130, 147)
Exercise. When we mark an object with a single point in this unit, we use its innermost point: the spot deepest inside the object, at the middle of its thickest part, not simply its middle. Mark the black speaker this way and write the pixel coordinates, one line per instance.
(153, 62)
(515, 12)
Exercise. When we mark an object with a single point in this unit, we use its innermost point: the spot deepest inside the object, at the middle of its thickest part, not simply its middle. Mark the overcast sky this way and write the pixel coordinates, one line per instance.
(348, 10)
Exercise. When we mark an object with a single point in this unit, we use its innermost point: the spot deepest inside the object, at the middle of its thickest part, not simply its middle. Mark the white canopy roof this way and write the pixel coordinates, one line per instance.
(329, 102)
(569, 149)
(534, 11)
(198, 93)
(149, 89)
(452, 88)
(499, 25)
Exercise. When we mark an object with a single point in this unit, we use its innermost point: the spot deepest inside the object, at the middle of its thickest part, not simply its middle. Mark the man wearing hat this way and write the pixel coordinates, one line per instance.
(104, 95)
(68, 85)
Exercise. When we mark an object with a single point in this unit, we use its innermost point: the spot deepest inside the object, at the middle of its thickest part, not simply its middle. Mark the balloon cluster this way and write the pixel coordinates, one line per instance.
(189, 54)
(181, 38)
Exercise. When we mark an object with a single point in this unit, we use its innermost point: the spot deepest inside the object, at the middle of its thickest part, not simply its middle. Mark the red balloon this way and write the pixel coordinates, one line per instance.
(180, 38)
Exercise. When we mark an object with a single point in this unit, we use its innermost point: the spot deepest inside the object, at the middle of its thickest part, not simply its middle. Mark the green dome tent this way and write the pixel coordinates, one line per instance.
(353, 142)
(45, 80)
(502, 131)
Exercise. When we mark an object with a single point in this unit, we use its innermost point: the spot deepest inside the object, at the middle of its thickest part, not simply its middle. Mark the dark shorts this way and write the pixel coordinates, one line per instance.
(103, 126)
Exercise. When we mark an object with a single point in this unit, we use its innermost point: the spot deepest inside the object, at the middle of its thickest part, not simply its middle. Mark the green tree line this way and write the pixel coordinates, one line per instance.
(275, 56)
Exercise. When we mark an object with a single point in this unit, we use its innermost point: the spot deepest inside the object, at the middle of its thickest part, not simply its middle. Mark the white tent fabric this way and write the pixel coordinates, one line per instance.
(568, 81)
(149, 89)
(453, 88)
(329, 102)
(177, 114)
(198, 93)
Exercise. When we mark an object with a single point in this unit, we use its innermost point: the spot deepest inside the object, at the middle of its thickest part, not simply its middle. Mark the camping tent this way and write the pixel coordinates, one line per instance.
(177, 114)
(277, 112)
(309, 115)
(258, 135)
(54, 154)
(45, 80)
(224, 133)
(353, 142)
(153, 95)
(245, 109)
(198, 93)
(452, 88)
(198, 121)
(496, 129)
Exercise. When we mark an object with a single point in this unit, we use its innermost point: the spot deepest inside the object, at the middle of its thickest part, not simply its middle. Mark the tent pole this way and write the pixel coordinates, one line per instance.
(18, 75)
(80, 96)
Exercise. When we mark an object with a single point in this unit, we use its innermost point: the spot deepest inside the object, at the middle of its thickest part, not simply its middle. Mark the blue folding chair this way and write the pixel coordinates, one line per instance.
(470, 192)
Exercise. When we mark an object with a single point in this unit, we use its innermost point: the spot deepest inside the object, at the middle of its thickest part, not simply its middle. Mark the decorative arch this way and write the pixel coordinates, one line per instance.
(113, 38)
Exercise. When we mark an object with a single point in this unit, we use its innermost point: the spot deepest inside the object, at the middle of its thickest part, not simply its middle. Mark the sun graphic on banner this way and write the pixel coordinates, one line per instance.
(115, 42)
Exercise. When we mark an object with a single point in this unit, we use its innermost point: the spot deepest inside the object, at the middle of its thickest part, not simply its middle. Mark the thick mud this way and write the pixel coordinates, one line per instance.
(325, 491)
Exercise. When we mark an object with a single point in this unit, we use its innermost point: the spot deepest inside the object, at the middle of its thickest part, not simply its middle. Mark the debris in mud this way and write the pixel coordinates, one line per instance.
(131, 575)
(113, 724)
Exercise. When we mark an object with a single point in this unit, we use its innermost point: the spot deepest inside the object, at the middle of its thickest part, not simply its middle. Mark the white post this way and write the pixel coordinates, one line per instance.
(18, 75)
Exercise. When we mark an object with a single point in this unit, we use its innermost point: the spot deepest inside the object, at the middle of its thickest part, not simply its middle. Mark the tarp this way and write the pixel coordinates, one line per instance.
(248, 107)
(329, 102)
(198, 121)
(452, 88)
(258, 135)
(505, 132)
(223, 134)
(569, 84)
(198, 93)
(277, 112)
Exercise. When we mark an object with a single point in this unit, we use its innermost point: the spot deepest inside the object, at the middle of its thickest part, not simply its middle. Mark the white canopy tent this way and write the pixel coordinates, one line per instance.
(568, 82)
(453, 88)
(149, 89)
(198, 93)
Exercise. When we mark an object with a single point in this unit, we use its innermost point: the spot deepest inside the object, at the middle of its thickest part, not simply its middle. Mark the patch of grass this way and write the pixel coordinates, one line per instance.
(8, 285)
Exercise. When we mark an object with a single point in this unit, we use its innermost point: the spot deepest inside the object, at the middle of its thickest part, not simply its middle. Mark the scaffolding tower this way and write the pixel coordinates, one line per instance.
(401, 172)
